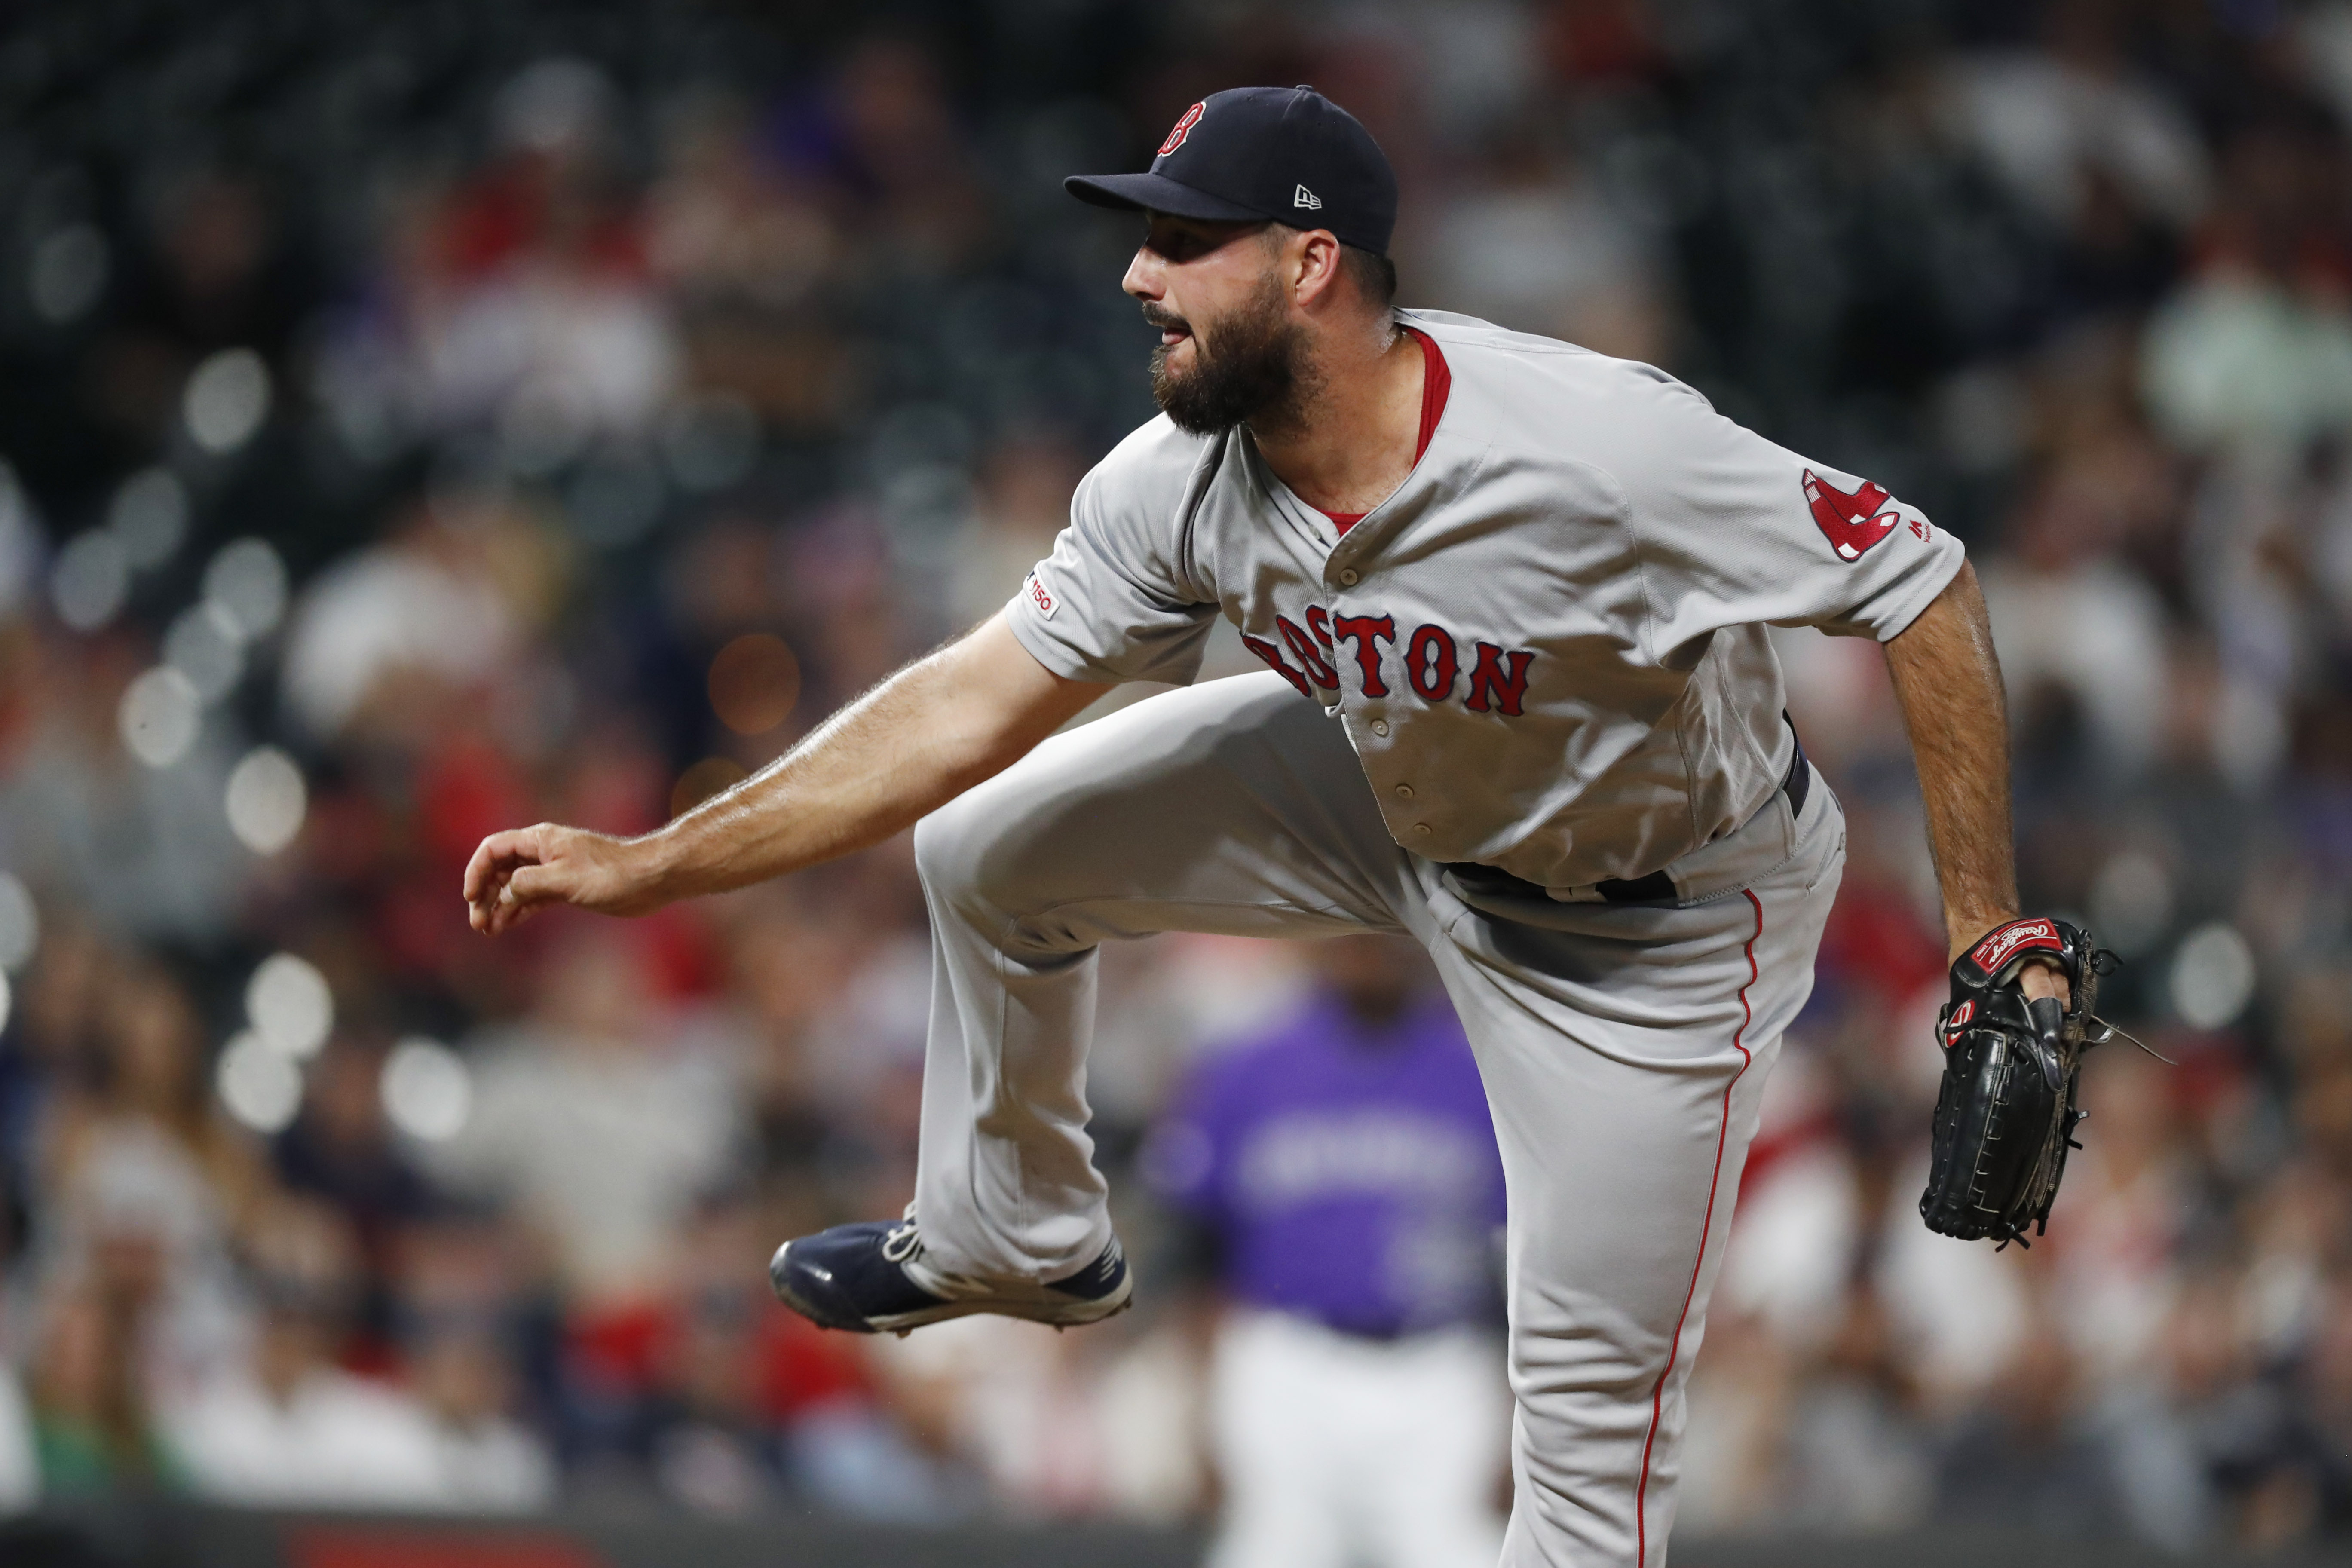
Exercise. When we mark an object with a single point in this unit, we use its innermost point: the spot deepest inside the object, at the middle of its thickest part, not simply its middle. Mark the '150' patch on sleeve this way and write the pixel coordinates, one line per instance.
(1041, 596)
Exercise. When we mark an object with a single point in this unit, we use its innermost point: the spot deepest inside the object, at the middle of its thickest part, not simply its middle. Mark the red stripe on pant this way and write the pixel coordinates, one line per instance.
(1674, 1350)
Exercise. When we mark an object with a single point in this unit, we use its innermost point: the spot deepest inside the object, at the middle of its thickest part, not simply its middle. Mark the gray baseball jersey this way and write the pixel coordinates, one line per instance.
(1547, 646)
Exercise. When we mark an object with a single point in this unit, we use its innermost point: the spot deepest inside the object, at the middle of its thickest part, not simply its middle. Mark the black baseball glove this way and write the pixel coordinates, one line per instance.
(2006, 1114)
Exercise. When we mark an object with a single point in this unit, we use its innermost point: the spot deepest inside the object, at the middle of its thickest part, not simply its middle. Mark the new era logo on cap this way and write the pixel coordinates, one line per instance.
(1306, 198)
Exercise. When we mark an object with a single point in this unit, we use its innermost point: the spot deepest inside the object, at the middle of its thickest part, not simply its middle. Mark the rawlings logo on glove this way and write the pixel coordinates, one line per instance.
(2017, 936)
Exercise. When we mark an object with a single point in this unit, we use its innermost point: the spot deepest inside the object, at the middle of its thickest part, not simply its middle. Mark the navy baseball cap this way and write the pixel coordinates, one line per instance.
(1248, 154)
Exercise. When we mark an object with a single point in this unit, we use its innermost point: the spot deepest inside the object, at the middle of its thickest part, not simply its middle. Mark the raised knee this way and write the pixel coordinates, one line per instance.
(949, 845)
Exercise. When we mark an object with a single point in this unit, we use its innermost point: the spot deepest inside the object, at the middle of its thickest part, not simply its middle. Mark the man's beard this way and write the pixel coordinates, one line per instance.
(1252, 366)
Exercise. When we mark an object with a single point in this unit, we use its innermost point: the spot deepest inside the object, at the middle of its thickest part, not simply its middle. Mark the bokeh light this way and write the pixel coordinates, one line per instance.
(754, 683)
(266, 800)
(20, 924)
(615, 498)
(426, 1091)
(161, 716)
(227, 400)
(149, 516)
(204, 644)
(70, 272)
(2212, 976)
(290, 1005)
(711, 442)
(248, 580)
(2131, 902)
(90, 580)
(260, 1085)
(710, 776)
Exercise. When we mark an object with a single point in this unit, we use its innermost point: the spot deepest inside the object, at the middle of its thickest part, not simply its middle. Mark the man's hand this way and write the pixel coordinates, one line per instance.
(520, 870)
(2040, 980)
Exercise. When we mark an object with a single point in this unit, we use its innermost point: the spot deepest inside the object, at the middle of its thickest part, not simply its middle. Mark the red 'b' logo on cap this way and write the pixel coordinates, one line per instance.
(1183, 129)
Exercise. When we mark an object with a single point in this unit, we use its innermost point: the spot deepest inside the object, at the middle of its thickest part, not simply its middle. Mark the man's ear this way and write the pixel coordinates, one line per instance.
(1313, 267)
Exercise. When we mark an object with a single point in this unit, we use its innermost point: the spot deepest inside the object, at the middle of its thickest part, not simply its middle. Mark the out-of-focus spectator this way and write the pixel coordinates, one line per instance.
(2027, 1458)
(142, 1154)
(1054, 1426)
(2187, 1419)
(290, 1427)
(93, 1430)
(789, 972)
(1344, 1170)
(145, 850)
(2324, 1417)
(596, 1120)
(2058, 123)
(1025, 502)
(2073, 624)
(1860, 1456)
(749, 1404)
(483, 1457)
(1533, 248)
(523, 297)
(2112, 1256)
(1734, 1452)
(463, 1309)
(20, 1460)
(341, 1150)
(383, 637)
(887, 138)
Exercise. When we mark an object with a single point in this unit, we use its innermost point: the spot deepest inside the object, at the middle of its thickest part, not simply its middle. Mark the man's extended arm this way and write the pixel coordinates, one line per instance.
(1947, 681)
(905, 748)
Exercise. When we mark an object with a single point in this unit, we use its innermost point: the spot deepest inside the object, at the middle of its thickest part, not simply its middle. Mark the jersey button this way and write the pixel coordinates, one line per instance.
(1380, 726)
(1421, 827)
(1348, 578)
(1404, 792)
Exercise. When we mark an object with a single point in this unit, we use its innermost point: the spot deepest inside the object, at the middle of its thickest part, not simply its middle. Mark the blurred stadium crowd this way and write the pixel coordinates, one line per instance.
(424, 418)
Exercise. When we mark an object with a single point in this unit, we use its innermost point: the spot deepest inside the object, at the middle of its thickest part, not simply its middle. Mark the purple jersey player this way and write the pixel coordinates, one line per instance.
(1344, 1169)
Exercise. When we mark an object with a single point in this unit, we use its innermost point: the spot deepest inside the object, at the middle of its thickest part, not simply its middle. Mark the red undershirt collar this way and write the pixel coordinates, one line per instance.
(1436, 382)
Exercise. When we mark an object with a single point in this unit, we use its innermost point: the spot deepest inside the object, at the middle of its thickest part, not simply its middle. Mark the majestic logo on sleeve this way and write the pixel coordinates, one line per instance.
(1852, 523)
(1183, 129)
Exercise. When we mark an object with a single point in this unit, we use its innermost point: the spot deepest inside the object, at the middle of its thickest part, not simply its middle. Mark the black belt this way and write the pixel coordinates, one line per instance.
(1657, 888)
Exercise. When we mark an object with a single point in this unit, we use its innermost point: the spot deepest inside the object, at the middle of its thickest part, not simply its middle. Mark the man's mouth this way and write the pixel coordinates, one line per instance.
(1174, 330)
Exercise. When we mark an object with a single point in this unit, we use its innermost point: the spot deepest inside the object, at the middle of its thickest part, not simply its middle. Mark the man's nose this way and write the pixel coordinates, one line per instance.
(1144, 278)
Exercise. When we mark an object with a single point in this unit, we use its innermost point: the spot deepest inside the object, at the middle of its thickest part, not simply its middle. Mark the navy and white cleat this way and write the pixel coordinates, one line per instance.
(872, 1278)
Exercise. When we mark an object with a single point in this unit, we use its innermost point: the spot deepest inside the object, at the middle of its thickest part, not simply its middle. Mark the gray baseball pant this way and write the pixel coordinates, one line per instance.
(1624, 1046)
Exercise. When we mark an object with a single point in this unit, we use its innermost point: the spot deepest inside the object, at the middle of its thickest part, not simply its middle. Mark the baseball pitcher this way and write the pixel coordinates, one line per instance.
(1518, 703)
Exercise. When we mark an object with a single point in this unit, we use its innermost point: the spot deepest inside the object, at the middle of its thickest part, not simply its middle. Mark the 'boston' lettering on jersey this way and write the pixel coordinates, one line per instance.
(1432, 660)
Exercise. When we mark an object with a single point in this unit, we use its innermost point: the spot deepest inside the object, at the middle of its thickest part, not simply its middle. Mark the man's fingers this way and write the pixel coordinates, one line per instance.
(493, 903)
(2038, 980)
(495, 855)
(531, 884)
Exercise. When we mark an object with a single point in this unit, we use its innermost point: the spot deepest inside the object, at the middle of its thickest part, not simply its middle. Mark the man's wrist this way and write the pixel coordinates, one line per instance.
(1962, 932)
(655, 863)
